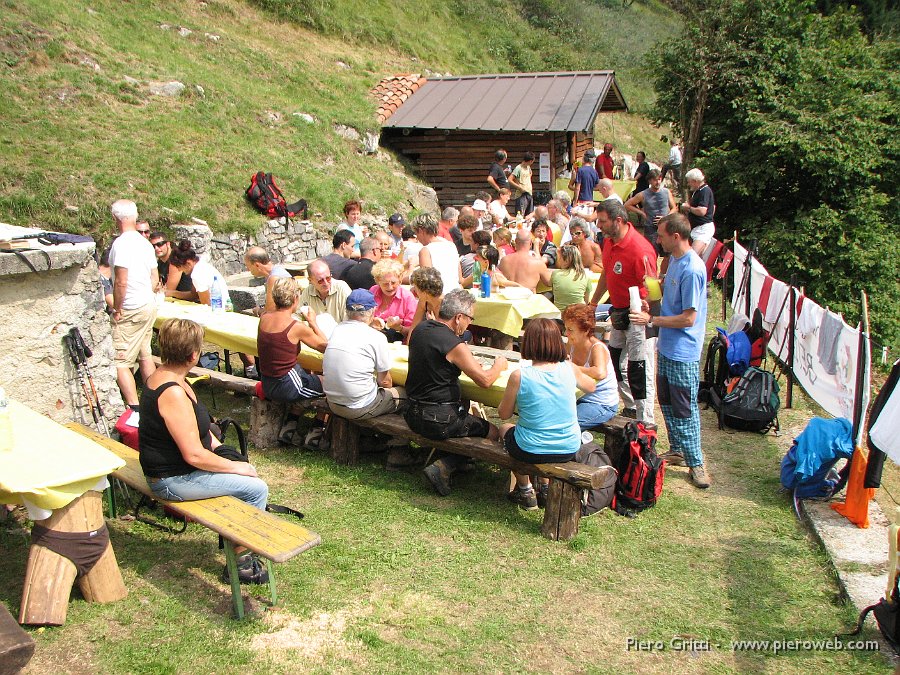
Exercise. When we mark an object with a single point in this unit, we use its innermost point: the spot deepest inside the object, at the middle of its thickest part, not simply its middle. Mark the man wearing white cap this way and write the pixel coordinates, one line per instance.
(480, 207)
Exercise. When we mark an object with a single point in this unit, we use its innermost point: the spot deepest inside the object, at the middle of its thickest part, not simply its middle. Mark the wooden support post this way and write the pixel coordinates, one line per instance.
(562, 512)
(16, 646)
(265, 423)
(344, 441)
(49, 576)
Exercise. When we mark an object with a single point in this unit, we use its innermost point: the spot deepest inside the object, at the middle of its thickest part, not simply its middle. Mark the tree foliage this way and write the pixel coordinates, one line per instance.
(793, 117)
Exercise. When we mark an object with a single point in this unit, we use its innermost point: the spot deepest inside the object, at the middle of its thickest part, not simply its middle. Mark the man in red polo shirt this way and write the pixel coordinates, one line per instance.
(605, 162)
(627, 257)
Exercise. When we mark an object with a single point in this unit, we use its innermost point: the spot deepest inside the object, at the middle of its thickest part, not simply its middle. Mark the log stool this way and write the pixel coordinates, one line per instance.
(16, 646)
(49, 576)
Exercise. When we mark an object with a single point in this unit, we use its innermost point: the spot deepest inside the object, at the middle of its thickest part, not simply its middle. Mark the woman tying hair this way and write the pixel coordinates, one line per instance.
(204, 276)
(570, 283)
(544, 394)
(592, 357)
(488, 257)
(177, 450)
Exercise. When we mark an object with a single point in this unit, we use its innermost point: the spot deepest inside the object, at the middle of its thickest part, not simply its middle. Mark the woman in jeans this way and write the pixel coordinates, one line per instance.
(592, 357)
(177, 450)
(544, 393)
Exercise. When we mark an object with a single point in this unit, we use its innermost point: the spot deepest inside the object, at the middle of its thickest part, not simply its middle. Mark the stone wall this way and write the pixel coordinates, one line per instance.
(36, 310)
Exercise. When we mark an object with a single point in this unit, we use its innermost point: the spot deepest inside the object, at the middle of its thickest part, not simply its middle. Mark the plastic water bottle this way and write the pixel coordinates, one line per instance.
(485, 285)
(215, 295)
(5, 423)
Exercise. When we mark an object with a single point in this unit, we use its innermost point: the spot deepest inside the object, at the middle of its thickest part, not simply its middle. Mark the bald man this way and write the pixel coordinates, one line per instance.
(261, 266)
(523, 266)
(324, 294)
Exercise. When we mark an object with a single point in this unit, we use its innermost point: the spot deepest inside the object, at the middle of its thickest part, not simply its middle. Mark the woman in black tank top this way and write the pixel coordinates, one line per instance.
(177, 451)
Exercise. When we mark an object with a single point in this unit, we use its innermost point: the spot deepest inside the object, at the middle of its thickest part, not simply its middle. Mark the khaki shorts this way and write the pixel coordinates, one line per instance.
(131, 335)
(386, 401)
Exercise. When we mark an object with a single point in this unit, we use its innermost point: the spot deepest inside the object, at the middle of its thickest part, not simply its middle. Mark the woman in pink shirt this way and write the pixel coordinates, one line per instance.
(396, 304)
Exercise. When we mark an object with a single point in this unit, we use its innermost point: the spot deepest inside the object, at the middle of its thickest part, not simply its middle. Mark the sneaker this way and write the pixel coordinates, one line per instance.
(251, 373)
(526, 499)
(439, 478)
(313, 438)
(673, 458)
(630, 412)
(287, 433)
(399, 458)
(542, 492)
(699, 477)
(250, 570)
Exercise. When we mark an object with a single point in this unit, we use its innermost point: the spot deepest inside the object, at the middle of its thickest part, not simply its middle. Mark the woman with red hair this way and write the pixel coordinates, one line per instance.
(544, 393)
(591, 356)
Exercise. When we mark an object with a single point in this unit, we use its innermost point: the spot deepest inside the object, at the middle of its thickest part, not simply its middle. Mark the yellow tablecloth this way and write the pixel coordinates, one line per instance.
(507, 316)
(237, 332)
(49, 465)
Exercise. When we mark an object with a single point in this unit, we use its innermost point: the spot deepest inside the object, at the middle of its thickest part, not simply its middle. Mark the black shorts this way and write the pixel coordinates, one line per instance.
(445, 420)
(520, 455)
(296, 385)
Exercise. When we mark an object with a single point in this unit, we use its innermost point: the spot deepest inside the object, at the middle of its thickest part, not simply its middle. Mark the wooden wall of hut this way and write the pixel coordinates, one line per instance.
(456, 163)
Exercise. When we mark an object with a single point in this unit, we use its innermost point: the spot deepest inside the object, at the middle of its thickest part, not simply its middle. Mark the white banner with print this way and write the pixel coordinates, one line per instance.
(825, 348)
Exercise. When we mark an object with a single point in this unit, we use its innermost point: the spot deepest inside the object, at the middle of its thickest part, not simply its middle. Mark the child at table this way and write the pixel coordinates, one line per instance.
(488, 257)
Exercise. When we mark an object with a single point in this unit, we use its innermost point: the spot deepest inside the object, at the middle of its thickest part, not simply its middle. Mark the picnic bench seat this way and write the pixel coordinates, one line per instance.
(567, 479)
(267, 535)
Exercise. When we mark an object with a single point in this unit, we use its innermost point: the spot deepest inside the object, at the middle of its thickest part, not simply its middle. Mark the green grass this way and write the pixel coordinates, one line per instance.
(75, 138)
(406, 581)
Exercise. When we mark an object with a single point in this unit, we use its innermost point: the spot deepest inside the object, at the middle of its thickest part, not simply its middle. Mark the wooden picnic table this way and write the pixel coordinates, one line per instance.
(59, 476)
(237, 332)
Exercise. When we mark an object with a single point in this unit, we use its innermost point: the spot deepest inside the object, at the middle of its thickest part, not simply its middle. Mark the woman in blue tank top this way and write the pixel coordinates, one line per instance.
(544, 393)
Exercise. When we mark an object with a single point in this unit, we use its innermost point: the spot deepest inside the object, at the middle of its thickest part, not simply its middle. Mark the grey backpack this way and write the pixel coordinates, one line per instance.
(598, 498)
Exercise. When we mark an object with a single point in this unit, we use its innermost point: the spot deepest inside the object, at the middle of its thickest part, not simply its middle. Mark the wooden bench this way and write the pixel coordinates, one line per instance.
(237, 522)
(567, 480)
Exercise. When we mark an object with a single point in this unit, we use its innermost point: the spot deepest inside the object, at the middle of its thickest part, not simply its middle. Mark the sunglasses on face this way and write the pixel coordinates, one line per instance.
(146, 233)
(323, 280)
(160, 244)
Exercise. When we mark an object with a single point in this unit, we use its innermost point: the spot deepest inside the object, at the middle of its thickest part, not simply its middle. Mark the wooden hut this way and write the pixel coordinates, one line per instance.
(451, 127)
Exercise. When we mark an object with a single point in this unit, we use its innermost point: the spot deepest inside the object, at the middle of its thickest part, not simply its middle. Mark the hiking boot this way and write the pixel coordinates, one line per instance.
(439, 477)
(542, 492)
(313, 438)
(673, 458)
(699, 477)
(526, 499)
(250, 570)
(399, 458)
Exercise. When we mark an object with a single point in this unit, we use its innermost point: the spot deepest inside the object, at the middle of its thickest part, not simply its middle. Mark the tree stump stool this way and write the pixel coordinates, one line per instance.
(49, 576)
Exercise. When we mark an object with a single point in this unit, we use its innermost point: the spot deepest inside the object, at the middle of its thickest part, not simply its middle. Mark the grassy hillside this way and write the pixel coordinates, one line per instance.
(81, 128)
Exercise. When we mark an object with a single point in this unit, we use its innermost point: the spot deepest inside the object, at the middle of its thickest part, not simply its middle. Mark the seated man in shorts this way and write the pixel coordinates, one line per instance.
(437, 357)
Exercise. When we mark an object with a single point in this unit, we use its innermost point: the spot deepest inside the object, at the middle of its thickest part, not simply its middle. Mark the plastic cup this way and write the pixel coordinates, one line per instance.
(654, 292)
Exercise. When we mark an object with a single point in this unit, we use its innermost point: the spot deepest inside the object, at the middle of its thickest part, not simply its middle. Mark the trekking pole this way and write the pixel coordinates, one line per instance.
(74, 356)
(85, 353)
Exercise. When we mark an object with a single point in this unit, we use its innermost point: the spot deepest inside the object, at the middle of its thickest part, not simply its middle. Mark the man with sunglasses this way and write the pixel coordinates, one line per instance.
(437, 357)
(175, 283)
(591, 255)
(325, 294)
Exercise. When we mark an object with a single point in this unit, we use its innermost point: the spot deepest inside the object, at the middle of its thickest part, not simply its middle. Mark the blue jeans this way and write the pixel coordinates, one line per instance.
(591, 415)
(204, 484)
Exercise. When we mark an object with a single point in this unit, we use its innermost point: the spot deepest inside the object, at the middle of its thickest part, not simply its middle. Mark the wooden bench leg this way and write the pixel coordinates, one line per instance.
(273, 593)
(104, 582)
(562, 512)
(231, 563)
(265, 423)
(48, 585)
(344, 441)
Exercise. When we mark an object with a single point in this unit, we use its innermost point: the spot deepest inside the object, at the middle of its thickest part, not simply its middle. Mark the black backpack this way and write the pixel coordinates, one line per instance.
(751, 405)
(265, 195)
(600, 498)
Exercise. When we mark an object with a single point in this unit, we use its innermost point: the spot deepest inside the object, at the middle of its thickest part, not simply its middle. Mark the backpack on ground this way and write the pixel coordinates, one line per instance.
(727, 358)
(751, 404)
(264, 193)
(596, 499)
(641, 471)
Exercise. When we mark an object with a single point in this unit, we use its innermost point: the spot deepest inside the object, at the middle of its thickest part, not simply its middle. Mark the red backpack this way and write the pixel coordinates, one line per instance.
(640, 470)
(265, 195)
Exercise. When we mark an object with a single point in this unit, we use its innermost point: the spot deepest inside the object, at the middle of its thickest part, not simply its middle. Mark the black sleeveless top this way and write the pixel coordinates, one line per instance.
(159, 454)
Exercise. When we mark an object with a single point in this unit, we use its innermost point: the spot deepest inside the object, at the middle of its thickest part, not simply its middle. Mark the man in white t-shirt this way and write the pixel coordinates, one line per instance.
(135, 282)
(437, 252)
(355, 351)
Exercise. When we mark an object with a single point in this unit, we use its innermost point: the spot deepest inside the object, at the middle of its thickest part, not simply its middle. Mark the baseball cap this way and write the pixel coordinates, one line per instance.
(479, 205)
(396, 219)
(361, 300)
